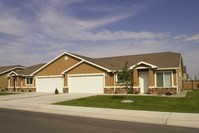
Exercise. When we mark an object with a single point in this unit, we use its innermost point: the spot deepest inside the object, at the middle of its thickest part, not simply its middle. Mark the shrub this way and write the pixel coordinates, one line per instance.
(56, 91)
(168, 93)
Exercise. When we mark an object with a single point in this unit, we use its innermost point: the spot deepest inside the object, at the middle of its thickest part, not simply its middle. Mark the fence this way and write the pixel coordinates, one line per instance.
(191, 85)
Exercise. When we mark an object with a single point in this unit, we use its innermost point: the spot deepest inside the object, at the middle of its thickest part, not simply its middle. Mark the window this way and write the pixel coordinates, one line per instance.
(28, 81)
(159, 79)
(164, 79)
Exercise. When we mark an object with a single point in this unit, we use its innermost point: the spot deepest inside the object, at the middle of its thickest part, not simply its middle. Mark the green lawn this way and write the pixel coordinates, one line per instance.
(189, 104)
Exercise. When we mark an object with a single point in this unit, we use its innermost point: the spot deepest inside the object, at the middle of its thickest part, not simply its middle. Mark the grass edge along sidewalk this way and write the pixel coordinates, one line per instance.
(188, 104)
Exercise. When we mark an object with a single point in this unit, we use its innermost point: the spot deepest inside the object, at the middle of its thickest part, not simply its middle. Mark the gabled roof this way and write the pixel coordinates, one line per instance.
(161, 60)
(81, 58)
(28, 70)
(5, 69)
(165, 60)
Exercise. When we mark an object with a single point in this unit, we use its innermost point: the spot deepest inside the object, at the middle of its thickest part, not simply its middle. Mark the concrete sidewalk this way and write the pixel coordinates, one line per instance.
(42, 103)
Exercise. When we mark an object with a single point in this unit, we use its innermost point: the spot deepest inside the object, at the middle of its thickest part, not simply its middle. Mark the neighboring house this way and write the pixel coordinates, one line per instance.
(4, 70)
(71, 73)
(22, 80)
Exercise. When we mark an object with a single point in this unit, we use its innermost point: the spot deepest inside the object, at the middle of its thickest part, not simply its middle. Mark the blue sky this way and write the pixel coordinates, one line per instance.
(36, 31)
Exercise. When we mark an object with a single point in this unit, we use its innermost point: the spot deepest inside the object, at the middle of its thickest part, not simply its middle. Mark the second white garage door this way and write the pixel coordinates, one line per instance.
(86, 84)
(49, 84)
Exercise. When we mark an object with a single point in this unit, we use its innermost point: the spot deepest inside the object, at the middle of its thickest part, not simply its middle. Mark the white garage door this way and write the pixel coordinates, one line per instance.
(49, 84)
(86, 84)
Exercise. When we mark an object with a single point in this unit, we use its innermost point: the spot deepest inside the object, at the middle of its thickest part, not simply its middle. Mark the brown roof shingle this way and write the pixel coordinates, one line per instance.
(29, 70)
(4, 69)
(161, 60)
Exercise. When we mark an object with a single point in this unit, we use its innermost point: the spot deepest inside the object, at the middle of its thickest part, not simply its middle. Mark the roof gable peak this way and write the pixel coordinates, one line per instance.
(143, 63)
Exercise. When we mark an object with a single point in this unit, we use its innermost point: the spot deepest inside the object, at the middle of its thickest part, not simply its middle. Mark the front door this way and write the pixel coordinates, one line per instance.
(144, 81)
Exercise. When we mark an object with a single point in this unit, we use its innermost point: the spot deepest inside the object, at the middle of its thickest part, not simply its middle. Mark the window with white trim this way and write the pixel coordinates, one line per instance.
(29, 81)
(164, 79)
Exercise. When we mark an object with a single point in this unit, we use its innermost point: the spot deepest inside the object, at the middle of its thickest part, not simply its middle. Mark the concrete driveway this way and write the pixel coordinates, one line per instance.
(41, 98)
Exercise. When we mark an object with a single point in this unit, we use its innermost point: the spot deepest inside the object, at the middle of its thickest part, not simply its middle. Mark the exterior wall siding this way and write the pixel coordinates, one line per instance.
(3, 82)
(174, 78)
(151, 78)
(58, 66)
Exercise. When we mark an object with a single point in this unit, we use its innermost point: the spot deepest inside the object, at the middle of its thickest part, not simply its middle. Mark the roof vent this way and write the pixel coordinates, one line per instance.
(66, 58)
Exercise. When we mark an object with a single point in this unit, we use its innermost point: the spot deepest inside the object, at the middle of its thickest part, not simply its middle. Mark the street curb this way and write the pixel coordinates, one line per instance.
(149, 117)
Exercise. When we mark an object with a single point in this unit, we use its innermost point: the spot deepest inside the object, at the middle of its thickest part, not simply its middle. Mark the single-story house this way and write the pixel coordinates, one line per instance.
(21, 80)
(4, 70)
(72, 73)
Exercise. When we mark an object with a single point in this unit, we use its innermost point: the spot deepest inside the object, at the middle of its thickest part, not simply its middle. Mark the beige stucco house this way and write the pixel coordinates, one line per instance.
(71, 73)
(4, 70)
(21, 80)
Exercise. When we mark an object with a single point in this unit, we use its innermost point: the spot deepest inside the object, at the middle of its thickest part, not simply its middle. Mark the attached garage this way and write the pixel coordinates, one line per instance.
(86, 83)
(49, 84)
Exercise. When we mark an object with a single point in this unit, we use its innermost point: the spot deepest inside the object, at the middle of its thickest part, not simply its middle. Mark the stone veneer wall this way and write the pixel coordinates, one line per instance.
(12, 89)
(108, 90)
(137, 90)
(117, 90)
(65, 90)
(162, 90)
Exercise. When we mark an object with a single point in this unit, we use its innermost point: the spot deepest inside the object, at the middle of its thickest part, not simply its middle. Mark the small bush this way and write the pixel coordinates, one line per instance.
(56, 91)
(168, 93)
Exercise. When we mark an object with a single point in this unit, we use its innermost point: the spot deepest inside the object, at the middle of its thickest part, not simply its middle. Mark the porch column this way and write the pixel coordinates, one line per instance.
(135, 77)
(8, 82)
(11, 81)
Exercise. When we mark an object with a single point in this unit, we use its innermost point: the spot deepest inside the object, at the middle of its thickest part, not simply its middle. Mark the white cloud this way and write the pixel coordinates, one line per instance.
(194, 38)
(53, 31)
(12, 25)
(107, 35)
(187, 38)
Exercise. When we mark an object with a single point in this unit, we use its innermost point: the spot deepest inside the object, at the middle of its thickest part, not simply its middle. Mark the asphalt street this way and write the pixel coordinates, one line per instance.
(15, 121)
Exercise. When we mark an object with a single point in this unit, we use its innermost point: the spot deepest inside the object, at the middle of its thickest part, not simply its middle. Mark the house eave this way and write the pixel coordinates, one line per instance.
(169, 68)
(145, 63)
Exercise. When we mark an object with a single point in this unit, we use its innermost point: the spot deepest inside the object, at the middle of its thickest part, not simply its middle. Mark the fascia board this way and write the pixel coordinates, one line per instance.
(145, 63)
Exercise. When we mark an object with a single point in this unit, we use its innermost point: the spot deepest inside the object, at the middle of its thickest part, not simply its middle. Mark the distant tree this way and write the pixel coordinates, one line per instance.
(195, 78)
(190, 78)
